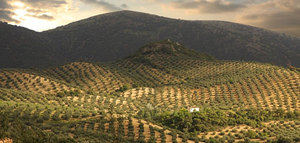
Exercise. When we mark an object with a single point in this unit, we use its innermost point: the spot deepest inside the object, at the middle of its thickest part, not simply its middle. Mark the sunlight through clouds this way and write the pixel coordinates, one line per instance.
(18, 4)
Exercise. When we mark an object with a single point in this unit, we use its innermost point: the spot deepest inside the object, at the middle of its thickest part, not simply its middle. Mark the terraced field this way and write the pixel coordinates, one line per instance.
(123, 101)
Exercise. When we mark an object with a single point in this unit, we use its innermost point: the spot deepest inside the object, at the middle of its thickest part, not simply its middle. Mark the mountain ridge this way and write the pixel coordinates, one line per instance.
(124, 12)
(116, 35)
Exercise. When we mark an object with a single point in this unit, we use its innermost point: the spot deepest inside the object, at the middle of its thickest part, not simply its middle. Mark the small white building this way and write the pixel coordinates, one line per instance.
(194, 109)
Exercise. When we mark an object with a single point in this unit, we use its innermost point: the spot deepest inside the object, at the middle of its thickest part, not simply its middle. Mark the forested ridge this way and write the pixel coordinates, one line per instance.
(113, 36)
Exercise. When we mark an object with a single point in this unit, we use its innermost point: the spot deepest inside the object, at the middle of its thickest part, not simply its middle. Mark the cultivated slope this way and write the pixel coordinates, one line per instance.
(123, 101)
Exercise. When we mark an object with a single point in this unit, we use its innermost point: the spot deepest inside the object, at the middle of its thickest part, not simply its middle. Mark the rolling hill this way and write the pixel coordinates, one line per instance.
(145, 97)
(116, 35)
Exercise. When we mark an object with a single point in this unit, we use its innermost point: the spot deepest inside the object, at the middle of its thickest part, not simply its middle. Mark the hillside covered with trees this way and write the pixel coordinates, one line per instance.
(146, 97)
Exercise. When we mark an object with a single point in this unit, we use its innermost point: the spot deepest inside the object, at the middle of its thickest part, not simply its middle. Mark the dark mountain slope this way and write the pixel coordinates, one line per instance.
(115, 35)
(21, 47)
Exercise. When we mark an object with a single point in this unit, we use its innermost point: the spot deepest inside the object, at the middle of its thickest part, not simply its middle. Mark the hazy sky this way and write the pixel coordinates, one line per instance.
(39, 15)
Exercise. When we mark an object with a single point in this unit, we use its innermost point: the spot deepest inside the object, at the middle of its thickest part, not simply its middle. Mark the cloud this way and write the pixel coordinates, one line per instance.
(45, 3)
(6, 16)
(277, 15)
(6, 13)
(4, 4)
(105, 5)
(35, 8)
(208, 6)
(35, 11)
(124, 6)
(44, 9)
(42, 16)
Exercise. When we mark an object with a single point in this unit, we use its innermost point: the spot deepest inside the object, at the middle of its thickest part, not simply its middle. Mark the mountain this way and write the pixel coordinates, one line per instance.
(146, 96)
(116, 35)
(21, 47)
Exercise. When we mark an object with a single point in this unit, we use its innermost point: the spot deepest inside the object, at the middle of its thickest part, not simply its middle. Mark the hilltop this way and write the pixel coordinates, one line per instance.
(145, 97)
(116, 35)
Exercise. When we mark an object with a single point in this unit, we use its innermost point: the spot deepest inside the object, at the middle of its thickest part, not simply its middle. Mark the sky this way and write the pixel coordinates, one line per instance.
(278, 15)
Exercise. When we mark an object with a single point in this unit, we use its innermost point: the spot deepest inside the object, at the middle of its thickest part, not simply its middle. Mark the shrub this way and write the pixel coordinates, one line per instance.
(251, 134)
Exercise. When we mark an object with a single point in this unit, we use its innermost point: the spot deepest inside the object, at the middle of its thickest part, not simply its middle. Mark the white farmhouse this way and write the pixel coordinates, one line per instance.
(194, 109)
